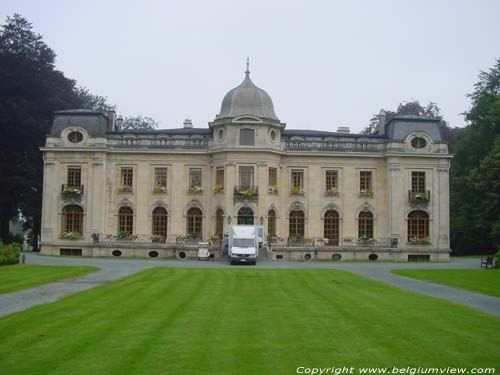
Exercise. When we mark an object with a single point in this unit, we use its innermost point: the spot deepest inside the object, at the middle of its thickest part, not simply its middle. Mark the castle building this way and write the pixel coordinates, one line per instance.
(318, 194)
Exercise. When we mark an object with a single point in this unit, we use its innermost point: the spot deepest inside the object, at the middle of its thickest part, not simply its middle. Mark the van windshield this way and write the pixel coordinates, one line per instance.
(243, 242)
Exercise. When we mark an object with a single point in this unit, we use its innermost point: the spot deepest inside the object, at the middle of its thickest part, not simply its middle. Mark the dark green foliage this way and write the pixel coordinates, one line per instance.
(139, 123)
(9, 253)
(475, 173)
(31, 90)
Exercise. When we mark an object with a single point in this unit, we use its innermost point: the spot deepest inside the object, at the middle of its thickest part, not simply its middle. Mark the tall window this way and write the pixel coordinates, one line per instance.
(331, 227)
(72, 219)
(418, 225)
(331, 181)
(194, 222)
(296, 224)
(161, 177)
(195, 177)
(74, 177)
(365, 225)
(219, 223)
(418, 182)
(273, 177)
(271, 223)
(160, 222)
(365, 181)
(246, 177)
(247, 137)
(127, 176)
(125, 220)
(219, 178)
(297, 179)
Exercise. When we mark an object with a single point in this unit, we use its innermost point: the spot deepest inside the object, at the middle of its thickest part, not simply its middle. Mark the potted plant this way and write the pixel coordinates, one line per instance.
(160, 189)
(331, 192)
(179, 238)
(70, 235)
(308, 239)
(157, 238)
(125, 189)
(218, 188)
(195, 189)
(366, 193)
(273, 189)
(124, 235)
(296, 190)
(70, 191)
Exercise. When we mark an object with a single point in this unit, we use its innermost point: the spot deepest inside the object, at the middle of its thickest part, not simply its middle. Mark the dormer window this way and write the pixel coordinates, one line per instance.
(418, 142)
(75, 137)
(247, 137)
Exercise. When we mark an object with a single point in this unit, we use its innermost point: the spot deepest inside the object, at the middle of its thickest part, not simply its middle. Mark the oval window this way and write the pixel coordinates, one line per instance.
(220, 134)
(372, 257)
(418, 142)
(153, 254)
(273, 135)
(116, 253)
(75, 137)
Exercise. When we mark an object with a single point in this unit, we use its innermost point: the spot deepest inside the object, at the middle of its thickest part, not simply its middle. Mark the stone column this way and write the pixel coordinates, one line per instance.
(443, 204)
(231, 182)
(261, 182)
(50, 209)
(394, 186)
(96, 203)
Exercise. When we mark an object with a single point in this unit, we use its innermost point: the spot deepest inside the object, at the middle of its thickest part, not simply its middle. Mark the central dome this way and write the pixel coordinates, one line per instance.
(247, 99)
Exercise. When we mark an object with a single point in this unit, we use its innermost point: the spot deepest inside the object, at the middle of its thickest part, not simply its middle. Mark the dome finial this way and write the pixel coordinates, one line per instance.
(247, 72)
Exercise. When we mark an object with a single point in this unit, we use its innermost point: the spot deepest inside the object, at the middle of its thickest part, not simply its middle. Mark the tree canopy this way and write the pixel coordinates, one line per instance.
(475, 172)
(139, 123)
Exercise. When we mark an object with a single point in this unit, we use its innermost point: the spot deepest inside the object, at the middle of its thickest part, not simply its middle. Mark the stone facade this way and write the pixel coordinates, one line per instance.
(343, 196)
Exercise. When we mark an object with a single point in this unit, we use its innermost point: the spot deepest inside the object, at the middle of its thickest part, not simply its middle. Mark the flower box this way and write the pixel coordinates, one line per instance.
(70, 235)
(125, 189)
(366, 193)
(160, 189)
(195, 190)
(295, 190)
(331, 192)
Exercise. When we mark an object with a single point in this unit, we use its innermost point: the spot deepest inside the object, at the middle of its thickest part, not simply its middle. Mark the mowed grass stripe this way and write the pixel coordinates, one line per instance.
(479, 281)
(24, 276)
(243, 320)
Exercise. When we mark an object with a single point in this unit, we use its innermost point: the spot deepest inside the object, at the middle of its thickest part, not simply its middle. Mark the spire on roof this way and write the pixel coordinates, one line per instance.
(247, 72)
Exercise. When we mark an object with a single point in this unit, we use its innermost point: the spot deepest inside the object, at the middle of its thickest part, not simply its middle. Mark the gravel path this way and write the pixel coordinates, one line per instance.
(112, 269)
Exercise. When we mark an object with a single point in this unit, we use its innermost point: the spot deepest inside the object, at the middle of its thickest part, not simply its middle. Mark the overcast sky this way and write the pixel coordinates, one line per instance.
(324, 63)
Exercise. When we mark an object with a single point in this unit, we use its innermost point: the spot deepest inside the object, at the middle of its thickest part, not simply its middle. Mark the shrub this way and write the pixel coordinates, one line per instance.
(9, 254)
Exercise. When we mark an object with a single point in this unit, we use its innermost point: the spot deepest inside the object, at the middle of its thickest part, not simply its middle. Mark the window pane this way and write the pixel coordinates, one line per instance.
(331, 180)
(127, 176)
(194, 177)
(74, 177)
(219, 177)
(161, 177)
(418, 182)
(297, 179)
(273, 177)
(246, 177)
(247, 137)
(365, 181)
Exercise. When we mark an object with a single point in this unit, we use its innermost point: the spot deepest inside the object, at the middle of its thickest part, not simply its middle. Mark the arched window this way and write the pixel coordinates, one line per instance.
(331, 227)
(418, 225)
(160, 222)
(296, 224)
(245, 216)
(271, 223)
(365, 225)
(219, 223)
(125, 220)
(194, 222)
(72, 219)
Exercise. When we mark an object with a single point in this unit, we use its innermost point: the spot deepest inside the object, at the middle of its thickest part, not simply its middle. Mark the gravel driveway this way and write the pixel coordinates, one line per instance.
(112, 269)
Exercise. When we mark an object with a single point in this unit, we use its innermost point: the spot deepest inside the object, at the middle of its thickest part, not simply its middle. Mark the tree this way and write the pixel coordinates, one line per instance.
(92, 101)
(31, 90)
(474, 204)
(139, 123)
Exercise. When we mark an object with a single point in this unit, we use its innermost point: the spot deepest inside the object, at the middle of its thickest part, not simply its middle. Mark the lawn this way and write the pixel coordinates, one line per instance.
(24, 276)
(480, 280)
(243, 321)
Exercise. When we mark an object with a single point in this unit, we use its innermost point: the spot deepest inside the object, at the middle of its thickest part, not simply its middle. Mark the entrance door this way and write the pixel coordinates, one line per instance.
(245, 216)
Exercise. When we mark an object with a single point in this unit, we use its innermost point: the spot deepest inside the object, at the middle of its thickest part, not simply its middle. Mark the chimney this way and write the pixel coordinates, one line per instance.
(343, 129)
(188, 124)
(381, 122)
(119, 123)
(111, 120)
